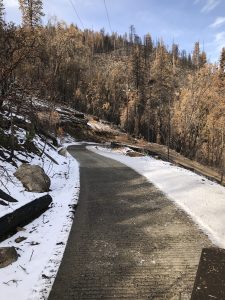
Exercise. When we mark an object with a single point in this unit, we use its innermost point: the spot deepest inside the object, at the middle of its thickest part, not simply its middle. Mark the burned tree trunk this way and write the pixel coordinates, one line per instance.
(23, 215)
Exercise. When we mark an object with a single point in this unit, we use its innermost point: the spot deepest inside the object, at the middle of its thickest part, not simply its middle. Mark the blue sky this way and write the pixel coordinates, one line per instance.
(182, 21)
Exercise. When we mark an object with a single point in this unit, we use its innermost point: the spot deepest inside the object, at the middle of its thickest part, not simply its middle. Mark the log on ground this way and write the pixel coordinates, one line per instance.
(23, 215)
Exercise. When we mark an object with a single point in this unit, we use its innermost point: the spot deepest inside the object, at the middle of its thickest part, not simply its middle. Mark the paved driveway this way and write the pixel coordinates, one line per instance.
(128, 241)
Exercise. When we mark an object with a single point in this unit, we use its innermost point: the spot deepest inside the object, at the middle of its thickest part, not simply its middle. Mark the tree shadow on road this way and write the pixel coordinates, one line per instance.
(128, 241)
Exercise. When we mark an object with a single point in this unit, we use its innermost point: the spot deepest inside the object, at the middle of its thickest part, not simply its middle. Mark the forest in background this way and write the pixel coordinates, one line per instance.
(161, 93)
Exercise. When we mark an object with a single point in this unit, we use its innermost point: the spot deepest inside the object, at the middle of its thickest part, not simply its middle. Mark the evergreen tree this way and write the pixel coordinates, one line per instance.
(175, 55)
(148, 42)
(175, 51)
(32, 11)
(162, 73)
(196, 55)
(2, 12)
(138, 80)
(148, 48)
(189, 61)
(132, 33)
(202, 59)
(222, 64)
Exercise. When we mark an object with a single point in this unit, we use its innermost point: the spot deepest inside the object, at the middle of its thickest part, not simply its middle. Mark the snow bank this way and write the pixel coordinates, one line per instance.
(201, 198)
(32, 276)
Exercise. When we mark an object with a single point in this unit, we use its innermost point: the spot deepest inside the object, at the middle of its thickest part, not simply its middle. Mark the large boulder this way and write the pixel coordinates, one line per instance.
(8, 255)
(33, 178)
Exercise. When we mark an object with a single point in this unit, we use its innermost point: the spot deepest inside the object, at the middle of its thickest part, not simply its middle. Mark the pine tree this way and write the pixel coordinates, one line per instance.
(148, 42)
(196, 55)
(202, 59)
(175, 55)
(162, 73)
(2, 12)
(132, 33)
(148, 48)
(222, 64)
(32, 11)
(138, 80)
(175, 51)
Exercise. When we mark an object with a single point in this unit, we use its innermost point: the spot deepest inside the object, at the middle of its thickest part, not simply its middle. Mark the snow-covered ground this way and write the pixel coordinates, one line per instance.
(32, 276)
(40, 254)
(100, 126)
(201, 198)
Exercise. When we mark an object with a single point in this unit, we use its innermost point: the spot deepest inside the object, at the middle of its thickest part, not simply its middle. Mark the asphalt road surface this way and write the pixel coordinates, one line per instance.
(128, 241)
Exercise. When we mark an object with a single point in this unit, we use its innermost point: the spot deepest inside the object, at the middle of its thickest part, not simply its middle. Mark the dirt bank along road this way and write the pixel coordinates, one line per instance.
(128, 241)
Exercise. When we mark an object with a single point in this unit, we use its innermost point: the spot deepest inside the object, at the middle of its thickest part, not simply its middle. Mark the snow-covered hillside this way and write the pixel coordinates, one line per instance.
(43, 240)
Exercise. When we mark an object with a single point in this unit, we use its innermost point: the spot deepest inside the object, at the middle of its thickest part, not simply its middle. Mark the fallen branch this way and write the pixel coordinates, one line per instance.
(6, 197)
(31, 255)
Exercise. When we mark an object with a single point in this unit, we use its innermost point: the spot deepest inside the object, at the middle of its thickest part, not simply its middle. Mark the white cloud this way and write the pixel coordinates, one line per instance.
(219, 42)
(210, 5)
(215, 45)
(220, 39)
(11, 3)
(220, 21)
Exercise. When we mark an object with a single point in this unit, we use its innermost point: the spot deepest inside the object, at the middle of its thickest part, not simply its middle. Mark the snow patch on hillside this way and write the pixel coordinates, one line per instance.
(32, 276)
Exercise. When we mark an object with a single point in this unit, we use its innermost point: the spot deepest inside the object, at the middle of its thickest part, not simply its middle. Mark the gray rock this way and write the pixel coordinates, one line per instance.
(8, 255)
(63, 152)
(20, 239)
(33, 178)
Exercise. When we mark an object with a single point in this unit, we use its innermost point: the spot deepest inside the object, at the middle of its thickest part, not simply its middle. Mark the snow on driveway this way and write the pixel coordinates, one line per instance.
(201, 198)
